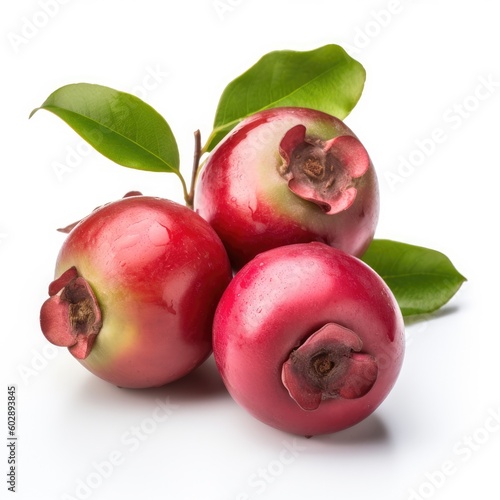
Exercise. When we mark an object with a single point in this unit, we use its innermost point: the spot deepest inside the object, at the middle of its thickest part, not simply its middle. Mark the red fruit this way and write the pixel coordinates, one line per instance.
(308, 339)
(289, 175)
(137, 285)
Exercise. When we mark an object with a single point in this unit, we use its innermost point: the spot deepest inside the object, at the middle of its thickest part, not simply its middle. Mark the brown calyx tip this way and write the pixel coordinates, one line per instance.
(71, 317)
(314, 168)
(322, 365)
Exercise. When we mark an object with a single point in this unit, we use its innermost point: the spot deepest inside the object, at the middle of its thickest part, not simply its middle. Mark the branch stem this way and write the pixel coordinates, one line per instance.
(189, 197)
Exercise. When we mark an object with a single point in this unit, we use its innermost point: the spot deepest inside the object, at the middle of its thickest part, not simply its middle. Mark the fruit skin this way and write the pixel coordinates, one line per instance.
(157, 270)
(242, 194)
(275, 303)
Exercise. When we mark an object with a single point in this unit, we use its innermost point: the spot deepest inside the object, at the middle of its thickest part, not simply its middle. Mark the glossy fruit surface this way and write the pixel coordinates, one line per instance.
(289, 175)
(137, 284)
(308, 339)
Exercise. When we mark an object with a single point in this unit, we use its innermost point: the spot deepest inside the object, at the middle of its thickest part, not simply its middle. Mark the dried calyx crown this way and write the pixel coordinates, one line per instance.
(71, 317)
(330, 364)
(323, 172)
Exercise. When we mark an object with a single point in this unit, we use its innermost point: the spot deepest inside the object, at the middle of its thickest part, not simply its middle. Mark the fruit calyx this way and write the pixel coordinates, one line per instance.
(323, 172)
(328, 365)
(71, 317)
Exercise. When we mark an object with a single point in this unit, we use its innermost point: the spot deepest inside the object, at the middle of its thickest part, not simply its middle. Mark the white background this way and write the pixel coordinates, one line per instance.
(433, 71)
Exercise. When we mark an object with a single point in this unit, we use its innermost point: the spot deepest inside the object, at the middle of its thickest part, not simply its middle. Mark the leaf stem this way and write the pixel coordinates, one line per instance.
(184, 190)
(189, 197)
(205, 148)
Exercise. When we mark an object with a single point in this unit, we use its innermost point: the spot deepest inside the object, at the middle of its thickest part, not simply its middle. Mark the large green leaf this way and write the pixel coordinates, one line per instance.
(422, 280)
(119, 125)
(326, 79)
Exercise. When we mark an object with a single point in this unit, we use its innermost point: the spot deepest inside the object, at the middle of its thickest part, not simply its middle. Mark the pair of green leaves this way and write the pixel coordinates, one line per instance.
(131, 133)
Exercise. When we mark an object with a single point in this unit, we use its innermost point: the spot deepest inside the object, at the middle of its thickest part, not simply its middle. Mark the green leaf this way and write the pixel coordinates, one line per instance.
(120, 126)
(422, 280)
(326, 79)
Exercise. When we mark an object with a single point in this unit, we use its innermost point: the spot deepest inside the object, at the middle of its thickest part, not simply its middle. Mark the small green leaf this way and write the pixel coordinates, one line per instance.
(120, 126)
(422, 280)
(326, 79)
